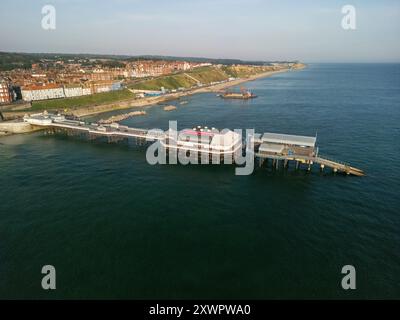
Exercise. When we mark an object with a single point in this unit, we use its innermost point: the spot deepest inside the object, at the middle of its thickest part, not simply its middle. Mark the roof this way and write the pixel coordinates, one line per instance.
(304, 141)
(44, 87)
(268, 147)
(197, 133)
(225, 139)
(72, 85)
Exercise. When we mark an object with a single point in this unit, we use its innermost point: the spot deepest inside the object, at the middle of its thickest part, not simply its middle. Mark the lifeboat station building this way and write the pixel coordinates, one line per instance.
(286, 145)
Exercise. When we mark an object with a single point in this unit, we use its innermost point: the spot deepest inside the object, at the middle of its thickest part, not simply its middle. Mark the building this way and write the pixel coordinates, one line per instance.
(74, 90)
(44, 92)
(286, 144)
(98, 75)
(205, 140)
(105, 86)
(101, 86)
(149, 68)
(55, 91)
(6, 92)
(116, 86)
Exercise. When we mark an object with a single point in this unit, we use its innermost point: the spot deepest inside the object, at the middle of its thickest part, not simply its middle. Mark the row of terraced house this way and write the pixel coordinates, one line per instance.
(55, 91)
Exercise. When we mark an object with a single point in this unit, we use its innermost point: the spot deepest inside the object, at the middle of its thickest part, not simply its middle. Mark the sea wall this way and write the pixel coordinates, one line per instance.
(11, 127)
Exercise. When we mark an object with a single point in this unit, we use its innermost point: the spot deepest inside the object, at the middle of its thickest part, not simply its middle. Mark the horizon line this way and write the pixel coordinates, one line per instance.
(200, 57)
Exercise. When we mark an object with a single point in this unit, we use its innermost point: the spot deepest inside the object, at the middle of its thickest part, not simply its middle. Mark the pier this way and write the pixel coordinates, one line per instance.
(279, 149)
(301, 150)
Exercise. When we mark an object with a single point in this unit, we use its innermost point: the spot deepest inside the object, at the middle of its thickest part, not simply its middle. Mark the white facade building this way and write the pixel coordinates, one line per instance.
(205, 140)
(50, 91)
(76, 91)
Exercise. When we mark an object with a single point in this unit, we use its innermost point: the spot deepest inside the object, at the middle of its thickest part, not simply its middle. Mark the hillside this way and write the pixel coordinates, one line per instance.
(203, 75)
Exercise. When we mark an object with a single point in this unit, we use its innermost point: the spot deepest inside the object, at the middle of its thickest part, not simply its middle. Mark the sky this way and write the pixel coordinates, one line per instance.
(304, 30)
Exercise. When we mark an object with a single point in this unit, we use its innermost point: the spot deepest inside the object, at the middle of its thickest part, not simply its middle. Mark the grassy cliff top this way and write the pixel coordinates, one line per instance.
(204, 75)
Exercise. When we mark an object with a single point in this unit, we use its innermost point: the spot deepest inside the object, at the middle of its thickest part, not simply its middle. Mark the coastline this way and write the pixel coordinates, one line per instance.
(132, 103)
(136, 103)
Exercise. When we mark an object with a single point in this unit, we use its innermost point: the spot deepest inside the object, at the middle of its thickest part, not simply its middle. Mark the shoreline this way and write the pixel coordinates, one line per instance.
(149, 101)
(135, 103)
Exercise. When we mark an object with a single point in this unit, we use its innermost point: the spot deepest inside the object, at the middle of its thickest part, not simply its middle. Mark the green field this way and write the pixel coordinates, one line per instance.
(168, 82)
(83, 101)
(209, 74)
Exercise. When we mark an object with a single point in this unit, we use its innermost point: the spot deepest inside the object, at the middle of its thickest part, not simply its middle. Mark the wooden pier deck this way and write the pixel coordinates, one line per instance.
(309, 161)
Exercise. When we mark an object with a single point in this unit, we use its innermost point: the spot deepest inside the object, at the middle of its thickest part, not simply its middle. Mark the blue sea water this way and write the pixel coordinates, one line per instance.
(117, 227)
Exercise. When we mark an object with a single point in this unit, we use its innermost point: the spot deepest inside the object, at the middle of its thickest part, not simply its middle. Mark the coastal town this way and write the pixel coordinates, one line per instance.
(85, 86)
(55, 83)
(54, 79)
